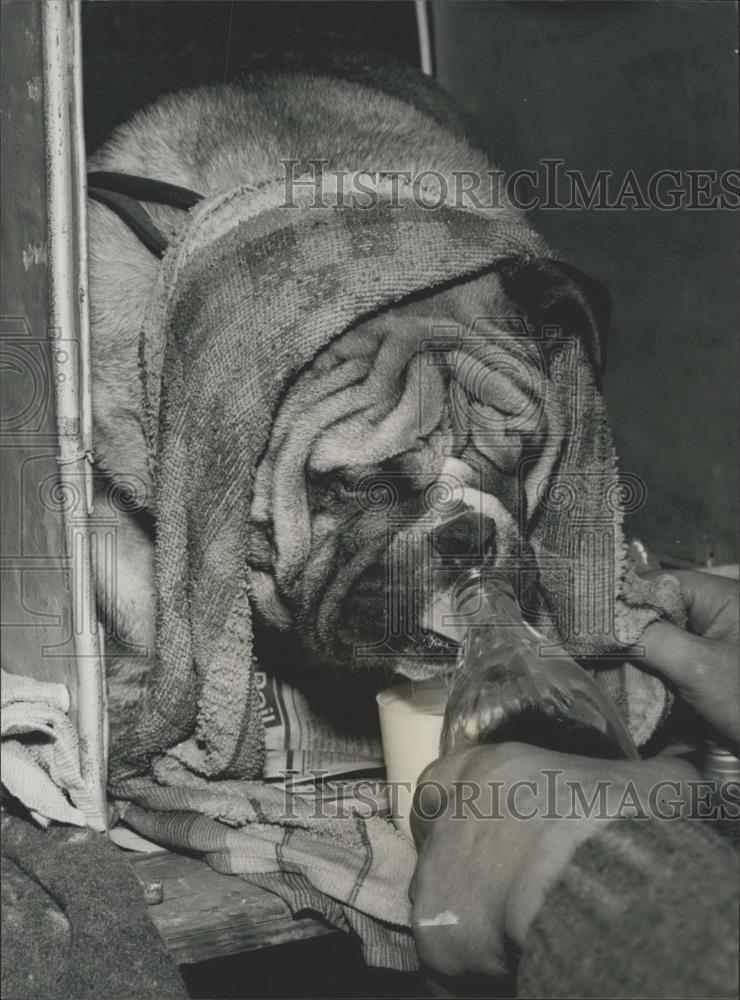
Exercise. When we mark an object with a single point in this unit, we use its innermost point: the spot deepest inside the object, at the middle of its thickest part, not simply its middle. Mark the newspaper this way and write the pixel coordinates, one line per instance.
(302, 746)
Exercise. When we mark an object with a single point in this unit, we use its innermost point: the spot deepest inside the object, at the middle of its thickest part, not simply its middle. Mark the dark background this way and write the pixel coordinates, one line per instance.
(139, 49)
(641, 86)
(616, 86)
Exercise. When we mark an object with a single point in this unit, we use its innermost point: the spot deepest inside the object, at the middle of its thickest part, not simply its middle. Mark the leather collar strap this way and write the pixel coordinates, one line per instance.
(123, 194)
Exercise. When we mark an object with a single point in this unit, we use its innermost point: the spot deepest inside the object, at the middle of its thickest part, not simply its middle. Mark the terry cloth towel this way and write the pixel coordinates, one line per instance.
(74, 922)
(246, 298)
(40, 753)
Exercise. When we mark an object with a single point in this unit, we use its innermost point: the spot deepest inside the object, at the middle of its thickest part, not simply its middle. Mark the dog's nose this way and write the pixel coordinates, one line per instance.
(468, 539)
(475, 539)
(465, 539)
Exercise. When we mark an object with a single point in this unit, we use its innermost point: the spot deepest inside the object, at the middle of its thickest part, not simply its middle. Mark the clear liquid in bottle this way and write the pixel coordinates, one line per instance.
(511, 684)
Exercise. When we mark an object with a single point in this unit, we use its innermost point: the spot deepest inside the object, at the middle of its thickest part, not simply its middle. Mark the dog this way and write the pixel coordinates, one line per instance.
(210, 140)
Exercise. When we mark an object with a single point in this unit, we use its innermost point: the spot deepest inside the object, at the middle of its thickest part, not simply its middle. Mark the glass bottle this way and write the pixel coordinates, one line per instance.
(511, 683)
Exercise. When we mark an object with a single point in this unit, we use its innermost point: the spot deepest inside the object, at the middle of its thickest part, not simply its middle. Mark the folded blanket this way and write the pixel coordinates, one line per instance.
(250, 294)
(40, 753)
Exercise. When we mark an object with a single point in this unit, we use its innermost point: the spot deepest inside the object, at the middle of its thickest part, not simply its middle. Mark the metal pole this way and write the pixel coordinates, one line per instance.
(426, 56)
(79, 166)
(69, 331)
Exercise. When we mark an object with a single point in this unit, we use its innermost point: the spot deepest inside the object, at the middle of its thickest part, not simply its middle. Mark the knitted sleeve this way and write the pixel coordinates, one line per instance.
(647, 908)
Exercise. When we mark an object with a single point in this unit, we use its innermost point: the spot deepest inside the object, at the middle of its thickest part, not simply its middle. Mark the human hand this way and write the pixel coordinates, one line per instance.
(482, 874)
(702, 663)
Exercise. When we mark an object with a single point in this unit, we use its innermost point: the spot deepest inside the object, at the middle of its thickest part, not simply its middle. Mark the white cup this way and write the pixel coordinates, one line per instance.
(411, 717)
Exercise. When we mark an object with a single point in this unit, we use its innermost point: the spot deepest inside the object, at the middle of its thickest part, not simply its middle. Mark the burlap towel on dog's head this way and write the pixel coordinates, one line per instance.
(249, 297)
(241, 315)
(246, 299)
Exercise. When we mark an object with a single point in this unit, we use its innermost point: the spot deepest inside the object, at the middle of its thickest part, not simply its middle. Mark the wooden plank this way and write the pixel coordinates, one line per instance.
(205, 915)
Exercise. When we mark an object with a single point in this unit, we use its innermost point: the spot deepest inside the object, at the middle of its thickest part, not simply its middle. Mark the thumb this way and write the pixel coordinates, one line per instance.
(680, 656)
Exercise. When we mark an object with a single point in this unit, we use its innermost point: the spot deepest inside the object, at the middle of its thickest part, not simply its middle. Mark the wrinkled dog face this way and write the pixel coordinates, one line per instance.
(415, 444)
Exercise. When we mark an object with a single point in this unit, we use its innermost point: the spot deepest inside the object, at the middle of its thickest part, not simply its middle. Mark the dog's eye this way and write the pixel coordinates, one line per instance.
(369, 488)
(330, 489)
(386, 489)
(341, 489)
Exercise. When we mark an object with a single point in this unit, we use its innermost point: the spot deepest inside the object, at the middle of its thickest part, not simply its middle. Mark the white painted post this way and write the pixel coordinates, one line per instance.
(426, 56)
(69, 330)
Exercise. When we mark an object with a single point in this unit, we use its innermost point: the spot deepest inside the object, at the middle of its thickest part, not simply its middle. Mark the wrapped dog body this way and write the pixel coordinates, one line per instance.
(312, 414)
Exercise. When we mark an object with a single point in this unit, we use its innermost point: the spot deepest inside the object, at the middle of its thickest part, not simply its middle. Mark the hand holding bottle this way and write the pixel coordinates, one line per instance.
(486, 879)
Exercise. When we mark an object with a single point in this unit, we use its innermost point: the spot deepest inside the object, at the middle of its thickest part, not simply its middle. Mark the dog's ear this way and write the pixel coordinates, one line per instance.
(553, 293)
